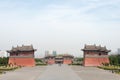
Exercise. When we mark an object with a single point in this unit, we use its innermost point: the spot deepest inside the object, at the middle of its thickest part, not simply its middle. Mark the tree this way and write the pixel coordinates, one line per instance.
(4, 61)
(114, 59)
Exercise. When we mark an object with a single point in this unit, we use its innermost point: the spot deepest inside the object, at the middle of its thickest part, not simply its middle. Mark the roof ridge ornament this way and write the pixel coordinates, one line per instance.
(85, 46)
(12, 47)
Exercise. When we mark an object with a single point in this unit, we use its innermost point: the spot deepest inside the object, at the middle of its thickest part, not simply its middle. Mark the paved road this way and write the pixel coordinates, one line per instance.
(52, 72)
(25, 73)
(56, 72)
(93, 73)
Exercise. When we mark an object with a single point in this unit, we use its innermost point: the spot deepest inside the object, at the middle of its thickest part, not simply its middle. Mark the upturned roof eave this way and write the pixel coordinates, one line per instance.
(90, 49)
(10, 51)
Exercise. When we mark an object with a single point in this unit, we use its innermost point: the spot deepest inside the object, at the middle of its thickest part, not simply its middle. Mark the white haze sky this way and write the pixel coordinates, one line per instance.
(61, 25)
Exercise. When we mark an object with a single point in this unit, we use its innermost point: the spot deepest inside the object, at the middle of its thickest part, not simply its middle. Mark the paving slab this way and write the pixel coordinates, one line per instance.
(94, 73)
(25, 73)
(57, 72)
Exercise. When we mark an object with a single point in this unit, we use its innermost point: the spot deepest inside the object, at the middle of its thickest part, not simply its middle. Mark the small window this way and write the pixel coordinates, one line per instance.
(16, 54)
(99, 54)
(87, 52)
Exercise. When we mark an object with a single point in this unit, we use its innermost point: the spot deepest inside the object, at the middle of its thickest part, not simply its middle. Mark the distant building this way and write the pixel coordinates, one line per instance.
(118, 50)
(50, 52)
(4, 54)
(63, 59)
(50, 59)
(95, 55)
(22, 56)
(54, 53)
(46, 53)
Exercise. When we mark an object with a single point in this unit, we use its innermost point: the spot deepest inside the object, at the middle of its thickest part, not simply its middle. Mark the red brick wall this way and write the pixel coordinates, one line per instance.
(51, 61)
(67, 61)
(22, 61)
(95, 61)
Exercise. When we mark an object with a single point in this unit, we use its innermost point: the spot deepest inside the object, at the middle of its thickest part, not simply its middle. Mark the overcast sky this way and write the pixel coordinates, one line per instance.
(61, 25)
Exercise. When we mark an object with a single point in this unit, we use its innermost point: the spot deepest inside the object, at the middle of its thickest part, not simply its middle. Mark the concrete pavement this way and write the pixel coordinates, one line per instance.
(93, 73)
(51, 72)
(25, 73)
(56, 72)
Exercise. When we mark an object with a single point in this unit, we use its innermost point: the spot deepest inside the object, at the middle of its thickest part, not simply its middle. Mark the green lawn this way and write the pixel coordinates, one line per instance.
(114, 69)
(3, 69)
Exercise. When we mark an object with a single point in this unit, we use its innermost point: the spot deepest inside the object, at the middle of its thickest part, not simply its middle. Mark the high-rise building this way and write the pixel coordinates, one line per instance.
(46, 53)
(54, 53)
(118, 50)
(50, 52)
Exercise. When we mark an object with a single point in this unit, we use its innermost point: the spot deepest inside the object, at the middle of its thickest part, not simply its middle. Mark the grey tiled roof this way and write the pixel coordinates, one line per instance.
(60, 56)
(94, 47)
(22, 48)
